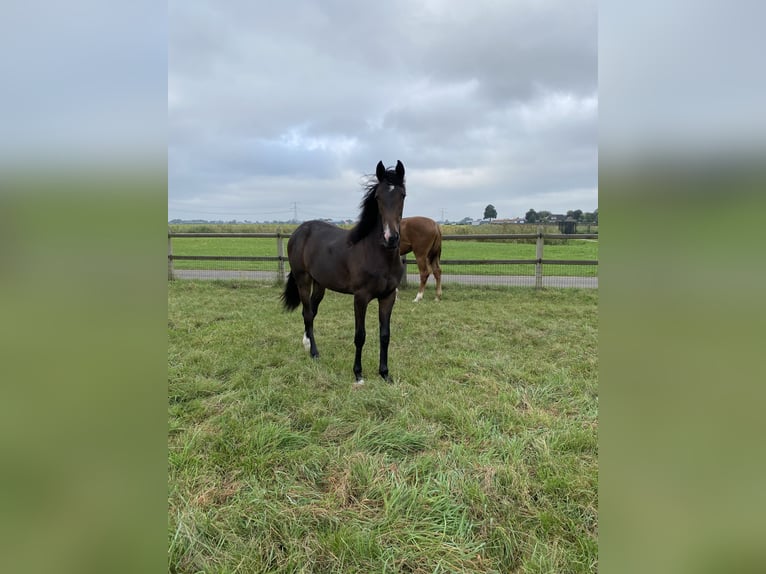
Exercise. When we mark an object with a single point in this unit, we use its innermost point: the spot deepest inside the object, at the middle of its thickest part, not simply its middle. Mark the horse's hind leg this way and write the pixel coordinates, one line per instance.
(437, 270)
(310, 305)
(317, 294)
(309, 342)
(360, 312)
(423, 268)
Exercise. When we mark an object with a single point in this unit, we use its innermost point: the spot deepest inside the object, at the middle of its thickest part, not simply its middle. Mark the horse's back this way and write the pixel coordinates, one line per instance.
(310, 236)
(320, 249)
(419, 234)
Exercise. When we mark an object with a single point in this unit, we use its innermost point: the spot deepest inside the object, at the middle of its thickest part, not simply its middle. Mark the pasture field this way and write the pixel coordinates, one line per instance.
(260, 247)
(481, 457)
(446, 229)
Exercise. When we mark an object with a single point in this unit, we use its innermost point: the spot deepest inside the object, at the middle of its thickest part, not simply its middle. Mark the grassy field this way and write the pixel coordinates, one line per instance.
(481, 457)
(446, 229)
(455, 250)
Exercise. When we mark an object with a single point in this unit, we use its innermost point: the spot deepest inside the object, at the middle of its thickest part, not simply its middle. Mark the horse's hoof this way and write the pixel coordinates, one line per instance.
(358, 384)
(306, 343)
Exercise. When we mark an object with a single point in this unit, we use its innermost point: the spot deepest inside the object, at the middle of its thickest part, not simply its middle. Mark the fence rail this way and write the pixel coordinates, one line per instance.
(530, 272)
(261, 235)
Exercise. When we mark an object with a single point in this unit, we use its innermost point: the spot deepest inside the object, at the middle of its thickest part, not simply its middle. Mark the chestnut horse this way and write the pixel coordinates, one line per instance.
(363, 261)
(423, 237)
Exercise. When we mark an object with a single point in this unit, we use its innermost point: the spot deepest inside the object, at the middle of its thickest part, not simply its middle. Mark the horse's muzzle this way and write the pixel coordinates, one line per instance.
(392, 242)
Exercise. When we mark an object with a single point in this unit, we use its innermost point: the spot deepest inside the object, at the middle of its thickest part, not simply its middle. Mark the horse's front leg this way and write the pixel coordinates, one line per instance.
(360, 311)
(385, 306)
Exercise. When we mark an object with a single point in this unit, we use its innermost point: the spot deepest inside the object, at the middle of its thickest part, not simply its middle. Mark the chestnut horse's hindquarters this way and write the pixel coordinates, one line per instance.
(423, 237)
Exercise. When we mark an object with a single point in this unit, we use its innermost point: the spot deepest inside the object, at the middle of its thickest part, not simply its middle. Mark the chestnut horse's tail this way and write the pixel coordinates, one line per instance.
(291, 298)
(435, 252)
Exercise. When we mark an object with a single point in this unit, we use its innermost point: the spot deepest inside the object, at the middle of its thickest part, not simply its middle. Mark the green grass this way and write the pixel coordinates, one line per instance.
(446, 229)
(231, 227)
(481, 457)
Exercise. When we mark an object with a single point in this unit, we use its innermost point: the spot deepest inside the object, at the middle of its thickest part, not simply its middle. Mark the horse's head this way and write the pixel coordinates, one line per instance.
(390, 192)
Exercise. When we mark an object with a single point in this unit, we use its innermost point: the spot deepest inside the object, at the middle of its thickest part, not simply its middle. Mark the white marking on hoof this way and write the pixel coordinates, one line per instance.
(306, 342)
(357, 384)
(417, 298)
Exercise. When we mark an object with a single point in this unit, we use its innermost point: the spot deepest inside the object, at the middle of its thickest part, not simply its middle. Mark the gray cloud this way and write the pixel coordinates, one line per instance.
(82, 81)
(292, 102)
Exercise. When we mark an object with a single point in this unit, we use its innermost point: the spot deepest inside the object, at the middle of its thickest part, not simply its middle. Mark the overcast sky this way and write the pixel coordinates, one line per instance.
(277, 107)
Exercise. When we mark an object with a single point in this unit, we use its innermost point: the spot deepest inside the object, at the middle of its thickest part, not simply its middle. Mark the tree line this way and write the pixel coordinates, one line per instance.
(578, 215)
(533, 216)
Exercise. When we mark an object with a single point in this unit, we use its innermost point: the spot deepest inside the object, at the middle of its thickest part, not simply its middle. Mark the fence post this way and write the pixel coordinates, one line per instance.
(539, 257)
(170, 257)
(403, 282)
(280, 254)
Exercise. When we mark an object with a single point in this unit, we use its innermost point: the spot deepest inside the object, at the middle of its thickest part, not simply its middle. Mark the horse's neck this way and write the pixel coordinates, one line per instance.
(364, 229)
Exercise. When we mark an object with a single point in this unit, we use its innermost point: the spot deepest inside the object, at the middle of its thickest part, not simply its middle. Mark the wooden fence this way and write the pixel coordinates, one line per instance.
(539, 261)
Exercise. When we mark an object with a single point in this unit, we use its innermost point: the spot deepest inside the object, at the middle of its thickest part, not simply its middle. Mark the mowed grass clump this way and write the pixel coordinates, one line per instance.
(481, 457)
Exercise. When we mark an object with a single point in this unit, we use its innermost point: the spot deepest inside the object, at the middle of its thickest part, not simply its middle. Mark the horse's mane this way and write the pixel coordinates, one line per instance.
(369, 216)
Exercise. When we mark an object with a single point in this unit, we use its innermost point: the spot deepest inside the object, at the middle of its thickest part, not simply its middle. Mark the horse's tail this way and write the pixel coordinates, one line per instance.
(291, 298)
(435, 252)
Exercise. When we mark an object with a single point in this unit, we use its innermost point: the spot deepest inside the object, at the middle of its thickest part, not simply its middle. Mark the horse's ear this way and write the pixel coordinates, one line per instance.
(380, 171)
(400, 171)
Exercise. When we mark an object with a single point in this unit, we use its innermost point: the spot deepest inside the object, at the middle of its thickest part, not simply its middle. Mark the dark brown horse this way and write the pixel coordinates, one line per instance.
(423, 237)
(363, 261)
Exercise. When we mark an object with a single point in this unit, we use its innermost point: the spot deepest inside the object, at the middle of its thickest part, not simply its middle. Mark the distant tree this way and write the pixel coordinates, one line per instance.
(490, 212)
(587, 217)
(576, 214)
(465, 221)
(543, 216)
(531, 216)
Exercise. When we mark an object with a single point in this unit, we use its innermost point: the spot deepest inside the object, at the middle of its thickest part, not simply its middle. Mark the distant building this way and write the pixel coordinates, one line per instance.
(509, 220)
